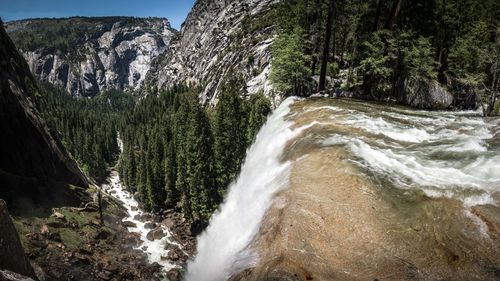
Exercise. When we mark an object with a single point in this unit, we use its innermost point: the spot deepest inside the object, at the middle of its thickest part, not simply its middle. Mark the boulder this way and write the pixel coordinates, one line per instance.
(44, 230)
(168, 223)
(175, 253)
(426, 94)
(6, 275)
(37, 240)
(155, 234)
(128, 224)
(149, 225)
(59, 216)
(132, 239)
(174, 274)
(56, 224)
(54, 237)
(146, 216)
(82, 259)
(102, 235)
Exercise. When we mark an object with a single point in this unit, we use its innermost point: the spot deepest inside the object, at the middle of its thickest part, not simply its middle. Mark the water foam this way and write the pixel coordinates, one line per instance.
(444, 154)
(223, 247)
(153, 249)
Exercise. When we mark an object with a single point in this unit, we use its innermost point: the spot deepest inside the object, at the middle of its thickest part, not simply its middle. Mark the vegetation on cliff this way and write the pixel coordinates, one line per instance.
(380, 46)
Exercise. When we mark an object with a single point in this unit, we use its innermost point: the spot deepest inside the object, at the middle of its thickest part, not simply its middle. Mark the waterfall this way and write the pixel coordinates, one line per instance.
(223, 247)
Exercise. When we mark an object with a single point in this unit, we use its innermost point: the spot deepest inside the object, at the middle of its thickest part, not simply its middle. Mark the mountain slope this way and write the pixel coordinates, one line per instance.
(217, 37)
(34, 165)
(89, 55)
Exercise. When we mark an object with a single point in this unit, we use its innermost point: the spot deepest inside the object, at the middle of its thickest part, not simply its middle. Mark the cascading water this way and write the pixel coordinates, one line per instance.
(155, 249)
(451, 154)
(360, 191)
(222, 248)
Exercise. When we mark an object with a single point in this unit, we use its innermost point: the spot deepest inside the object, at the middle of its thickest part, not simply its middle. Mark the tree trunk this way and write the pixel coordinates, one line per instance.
(377, 16)
(442, 52)
(391, 20)
(326, 46)
(315, 40)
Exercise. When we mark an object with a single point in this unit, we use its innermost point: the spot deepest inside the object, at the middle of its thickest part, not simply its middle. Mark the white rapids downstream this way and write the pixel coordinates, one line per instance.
(154, 249)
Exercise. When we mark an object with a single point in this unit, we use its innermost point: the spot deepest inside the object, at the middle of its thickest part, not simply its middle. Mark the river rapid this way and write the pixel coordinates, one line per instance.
(336, 189)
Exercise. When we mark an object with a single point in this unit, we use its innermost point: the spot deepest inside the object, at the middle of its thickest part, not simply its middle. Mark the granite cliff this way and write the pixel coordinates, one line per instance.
(217, 37)
(89, 55)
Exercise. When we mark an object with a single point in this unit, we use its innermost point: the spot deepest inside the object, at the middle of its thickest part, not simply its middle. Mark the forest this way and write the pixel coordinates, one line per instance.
(181, 155)
(177, 153)
(381, 48)
(88, 127)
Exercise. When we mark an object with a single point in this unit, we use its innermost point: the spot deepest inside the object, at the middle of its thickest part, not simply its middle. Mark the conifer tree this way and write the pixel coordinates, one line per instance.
(199, 175)
(260, 108)
(229, 134)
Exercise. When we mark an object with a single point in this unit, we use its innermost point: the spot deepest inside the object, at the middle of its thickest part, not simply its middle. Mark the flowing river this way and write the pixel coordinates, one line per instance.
(338, 189)
(155, 249)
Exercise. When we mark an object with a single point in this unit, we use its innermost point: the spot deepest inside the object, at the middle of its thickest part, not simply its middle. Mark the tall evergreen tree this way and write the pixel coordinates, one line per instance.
(229, 134)
(199, 174)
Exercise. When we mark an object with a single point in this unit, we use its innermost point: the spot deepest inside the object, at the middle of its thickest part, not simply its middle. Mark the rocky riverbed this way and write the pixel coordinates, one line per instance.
(165, 238)
(72, 244)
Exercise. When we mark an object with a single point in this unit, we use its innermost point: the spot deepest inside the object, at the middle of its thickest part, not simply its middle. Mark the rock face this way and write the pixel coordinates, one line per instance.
(89, 55)
(219, 36)
(6, 275)
(12, 256)
(33, 162)
(426, 94)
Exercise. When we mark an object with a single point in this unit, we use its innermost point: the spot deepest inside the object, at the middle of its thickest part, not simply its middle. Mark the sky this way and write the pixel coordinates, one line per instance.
(174, 10)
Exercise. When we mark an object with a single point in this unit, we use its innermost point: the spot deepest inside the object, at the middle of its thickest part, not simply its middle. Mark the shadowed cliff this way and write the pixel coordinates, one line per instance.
(35, 168)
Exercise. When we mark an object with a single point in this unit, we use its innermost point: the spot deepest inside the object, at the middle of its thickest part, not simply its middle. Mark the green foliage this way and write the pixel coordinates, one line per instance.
(230, 140)
(417, 55)
(473, 52)
(88, 127)
(388, 55)
(431, 40)
(375, 66)
(199, 161)
(289, 73)
(260, 108)
(179, 156)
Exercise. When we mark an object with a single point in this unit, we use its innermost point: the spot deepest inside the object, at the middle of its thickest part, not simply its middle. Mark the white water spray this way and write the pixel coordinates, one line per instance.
(223, 247)
(155, 250)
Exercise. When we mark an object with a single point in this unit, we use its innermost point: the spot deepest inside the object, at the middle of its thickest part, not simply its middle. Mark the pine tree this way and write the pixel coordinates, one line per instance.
(229, 134)
(289, 72)
(172, 194)
(260, 108)
(199, 175)
(155, 183)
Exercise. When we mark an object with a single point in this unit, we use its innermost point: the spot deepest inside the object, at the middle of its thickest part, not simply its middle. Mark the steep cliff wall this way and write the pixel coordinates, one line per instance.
(32, 160)
(89, 55)
(217, 37)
